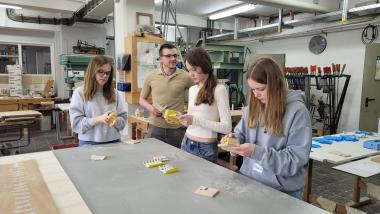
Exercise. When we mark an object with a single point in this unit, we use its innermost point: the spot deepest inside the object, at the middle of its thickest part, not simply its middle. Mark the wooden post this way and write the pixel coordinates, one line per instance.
(356, 193)
(307, 188)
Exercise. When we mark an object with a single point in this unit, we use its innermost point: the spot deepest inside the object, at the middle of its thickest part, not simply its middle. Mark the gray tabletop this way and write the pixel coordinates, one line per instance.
(122, 184)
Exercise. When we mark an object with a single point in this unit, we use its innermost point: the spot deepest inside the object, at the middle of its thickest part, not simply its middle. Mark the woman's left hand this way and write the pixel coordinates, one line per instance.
(186, 120)
(245, 149)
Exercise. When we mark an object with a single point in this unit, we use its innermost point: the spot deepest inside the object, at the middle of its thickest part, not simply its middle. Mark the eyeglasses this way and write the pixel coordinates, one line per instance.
(258, 90)
(170, 55)
(103, 73)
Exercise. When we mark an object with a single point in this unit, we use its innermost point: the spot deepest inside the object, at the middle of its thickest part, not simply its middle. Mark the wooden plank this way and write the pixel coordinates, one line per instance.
(23, 190)
(65, 196)
(27, 113)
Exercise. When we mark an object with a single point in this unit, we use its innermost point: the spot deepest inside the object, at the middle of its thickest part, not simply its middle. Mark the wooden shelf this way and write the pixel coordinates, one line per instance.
(131, 41)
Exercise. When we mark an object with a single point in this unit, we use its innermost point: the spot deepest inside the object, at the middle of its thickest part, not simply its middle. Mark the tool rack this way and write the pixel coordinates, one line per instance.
(329, 113)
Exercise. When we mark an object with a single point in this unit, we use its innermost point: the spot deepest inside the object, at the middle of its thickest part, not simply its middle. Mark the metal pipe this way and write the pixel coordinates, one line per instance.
(236, 27)
(279, 27)
(270, 28)
(76, 17)
(344, 11)
(162, 12)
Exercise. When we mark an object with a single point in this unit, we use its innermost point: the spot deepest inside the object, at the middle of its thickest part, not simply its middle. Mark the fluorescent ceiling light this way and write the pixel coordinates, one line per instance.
(366, 7)
(10, 6)
(231, 11)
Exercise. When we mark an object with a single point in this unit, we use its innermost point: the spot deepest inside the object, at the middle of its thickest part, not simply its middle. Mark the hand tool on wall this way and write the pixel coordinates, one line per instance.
(344, 66)
(317, 78)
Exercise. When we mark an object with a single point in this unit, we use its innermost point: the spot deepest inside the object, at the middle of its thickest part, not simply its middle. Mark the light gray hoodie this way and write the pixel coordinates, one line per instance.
(82, 114)
(279, 162)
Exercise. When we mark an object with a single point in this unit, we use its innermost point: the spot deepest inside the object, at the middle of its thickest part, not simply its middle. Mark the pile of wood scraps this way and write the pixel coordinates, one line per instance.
(17, 117)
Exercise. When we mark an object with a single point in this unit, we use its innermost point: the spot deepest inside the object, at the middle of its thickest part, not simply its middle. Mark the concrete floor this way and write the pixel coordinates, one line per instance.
(327, 182)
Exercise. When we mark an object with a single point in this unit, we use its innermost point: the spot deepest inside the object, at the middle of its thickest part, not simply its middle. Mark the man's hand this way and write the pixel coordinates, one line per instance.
(154, 111)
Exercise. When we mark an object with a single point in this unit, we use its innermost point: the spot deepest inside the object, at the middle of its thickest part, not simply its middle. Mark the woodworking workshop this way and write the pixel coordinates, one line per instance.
(189, 106)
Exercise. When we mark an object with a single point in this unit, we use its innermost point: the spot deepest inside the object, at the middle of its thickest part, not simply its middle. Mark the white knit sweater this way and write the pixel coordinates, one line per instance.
(208, 120)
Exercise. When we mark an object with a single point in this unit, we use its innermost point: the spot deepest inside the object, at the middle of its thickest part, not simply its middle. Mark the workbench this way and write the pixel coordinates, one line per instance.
(363, 168)
(19, 103)
(324, 155)
(19, 120)
(122, 184)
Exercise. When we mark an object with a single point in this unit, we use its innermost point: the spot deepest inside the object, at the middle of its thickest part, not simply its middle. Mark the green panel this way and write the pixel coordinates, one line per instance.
(75, 59)
(216, 56)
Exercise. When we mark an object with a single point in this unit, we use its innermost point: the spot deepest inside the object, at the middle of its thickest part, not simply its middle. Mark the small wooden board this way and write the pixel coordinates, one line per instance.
(342, 154)
(206, 191)
(376, 159)
(13, 114)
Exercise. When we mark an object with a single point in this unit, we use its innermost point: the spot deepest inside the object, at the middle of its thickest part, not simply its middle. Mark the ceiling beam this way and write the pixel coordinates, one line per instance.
(57, 6)
(298, 4)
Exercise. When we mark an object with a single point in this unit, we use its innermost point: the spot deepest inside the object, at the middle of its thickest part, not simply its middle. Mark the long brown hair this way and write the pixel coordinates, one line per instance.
(271, 114)
(91, 86)
(200, 58)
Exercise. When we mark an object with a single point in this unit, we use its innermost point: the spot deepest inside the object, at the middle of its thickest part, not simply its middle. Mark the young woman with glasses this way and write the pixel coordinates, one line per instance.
(96, 110)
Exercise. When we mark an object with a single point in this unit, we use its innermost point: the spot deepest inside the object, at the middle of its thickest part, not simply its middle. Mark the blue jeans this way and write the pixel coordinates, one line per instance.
(297, 193)
(82, 142)
(208, 151)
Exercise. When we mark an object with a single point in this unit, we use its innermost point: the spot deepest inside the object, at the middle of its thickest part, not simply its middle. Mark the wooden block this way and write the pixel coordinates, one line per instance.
(206, 191)
(342, 154)
(362, 201)
(131, 141)
(373, 190)
(98, 157)
(351, 210)
(326, 204)
(47, 88)
(229, 142)
(376, 159)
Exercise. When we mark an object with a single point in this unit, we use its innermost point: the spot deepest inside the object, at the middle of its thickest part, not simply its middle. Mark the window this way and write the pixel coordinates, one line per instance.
(8, 56)
(36, 59)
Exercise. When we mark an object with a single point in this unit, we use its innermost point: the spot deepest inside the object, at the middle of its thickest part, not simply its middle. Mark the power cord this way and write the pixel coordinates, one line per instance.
(369, 34)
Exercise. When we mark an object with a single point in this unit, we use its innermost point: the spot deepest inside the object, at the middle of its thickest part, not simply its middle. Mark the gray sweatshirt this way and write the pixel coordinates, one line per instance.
(279, 162)
(82, 114)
